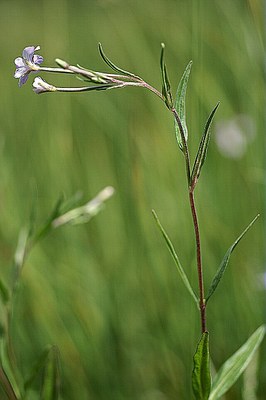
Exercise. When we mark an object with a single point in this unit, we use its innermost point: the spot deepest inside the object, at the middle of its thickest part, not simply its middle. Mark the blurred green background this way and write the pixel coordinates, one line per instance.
(107, 293)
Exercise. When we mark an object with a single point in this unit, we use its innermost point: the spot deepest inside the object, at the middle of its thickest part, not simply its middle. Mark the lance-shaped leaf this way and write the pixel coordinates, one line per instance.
(219, 274)
(176, 260)
(180, 106)
(166, 88)
(115, 67)
(201, 377)
(51, 381)
(235, 365)
(202, 150)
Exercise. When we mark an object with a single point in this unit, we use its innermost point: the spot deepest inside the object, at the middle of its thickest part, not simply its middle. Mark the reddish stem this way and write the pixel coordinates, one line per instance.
(199, 262)
(191, 187)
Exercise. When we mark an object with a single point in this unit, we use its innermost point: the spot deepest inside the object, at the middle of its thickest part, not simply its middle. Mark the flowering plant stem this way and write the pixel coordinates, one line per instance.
(191, 187)
(202, 304)
(202, 386)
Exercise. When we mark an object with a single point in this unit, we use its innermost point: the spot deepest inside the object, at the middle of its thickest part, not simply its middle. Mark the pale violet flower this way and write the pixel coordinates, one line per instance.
(40, 86)
(29, 62)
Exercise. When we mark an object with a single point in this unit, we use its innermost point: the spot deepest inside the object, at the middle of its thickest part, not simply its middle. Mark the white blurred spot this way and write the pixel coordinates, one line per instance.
(233, 136)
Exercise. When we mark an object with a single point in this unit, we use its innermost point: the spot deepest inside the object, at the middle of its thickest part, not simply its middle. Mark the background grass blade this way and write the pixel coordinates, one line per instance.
(176, 259)
(201, 377)
(224, 263)
(4, 381)
(51, 380)
(10, 378)
(235, 365)
(180, 105)
(4, 292)
(37, 368)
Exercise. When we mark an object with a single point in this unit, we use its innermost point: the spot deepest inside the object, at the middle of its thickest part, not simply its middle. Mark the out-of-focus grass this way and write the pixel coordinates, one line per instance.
(107, 293)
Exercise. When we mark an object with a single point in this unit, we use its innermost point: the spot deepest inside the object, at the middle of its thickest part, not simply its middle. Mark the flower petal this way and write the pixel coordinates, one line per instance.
(28, 53)
(37, 59)
(41, 86)
(19, 62)
(23, 79)
(20, 71)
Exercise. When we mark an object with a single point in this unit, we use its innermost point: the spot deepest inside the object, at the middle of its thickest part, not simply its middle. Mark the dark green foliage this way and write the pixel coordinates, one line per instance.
(201, 376)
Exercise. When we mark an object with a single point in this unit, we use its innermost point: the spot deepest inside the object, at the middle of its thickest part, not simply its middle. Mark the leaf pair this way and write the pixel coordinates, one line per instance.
(182, 131)
(179, 106)
(221, 270)
(230, 371)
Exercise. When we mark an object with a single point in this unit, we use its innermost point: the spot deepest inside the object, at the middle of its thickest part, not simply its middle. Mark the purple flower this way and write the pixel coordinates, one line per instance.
(41, 86)
(27, 63)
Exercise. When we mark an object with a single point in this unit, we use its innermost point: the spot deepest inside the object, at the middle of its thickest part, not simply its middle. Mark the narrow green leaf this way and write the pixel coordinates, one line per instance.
(103, 87)
(180, 105)
(113, 66)
(51, 380)
(251, 379)
(9, 375)
(201, 377)
(176, 260)
(203, 147)
(235, 365)
(166, 88)
(4, 292)
(219, 274)
(6, 385)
